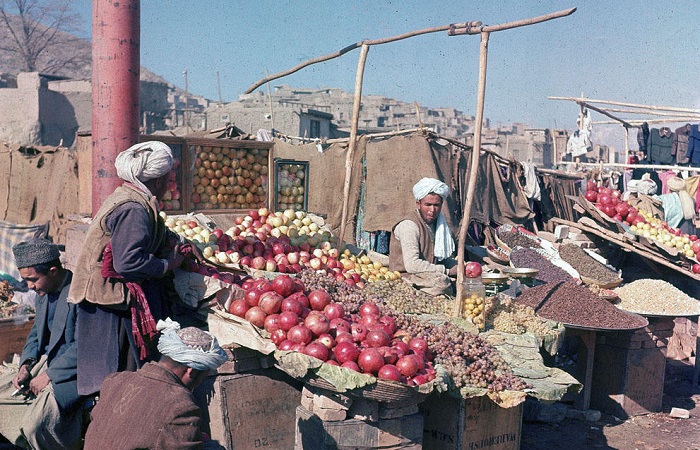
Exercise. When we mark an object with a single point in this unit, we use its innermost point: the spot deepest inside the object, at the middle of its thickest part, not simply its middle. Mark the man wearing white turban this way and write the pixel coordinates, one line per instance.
(154, 407)
(421, 245)
(118, 281)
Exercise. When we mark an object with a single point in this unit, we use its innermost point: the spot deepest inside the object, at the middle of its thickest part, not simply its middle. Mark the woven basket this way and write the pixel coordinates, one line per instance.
(382, 391)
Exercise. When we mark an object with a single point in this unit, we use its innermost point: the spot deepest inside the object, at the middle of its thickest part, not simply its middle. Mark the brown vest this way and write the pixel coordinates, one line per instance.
(426, 244)
(88, 283)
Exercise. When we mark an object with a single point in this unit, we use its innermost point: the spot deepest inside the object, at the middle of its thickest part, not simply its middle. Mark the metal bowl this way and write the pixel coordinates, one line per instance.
(520, 272)
(493, 278)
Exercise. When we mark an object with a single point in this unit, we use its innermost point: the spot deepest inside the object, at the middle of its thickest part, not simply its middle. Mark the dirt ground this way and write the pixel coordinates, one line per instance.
(655, 431)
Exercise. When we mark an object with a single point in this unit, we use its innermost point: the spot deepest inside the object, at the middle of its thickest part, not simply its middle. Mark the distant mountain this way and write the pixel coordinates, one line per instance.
(72, 59)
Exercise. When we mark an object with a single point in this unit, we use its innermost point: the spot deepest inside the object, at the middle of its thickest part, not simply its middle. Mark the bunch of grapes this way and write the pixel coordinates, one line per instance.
(400, 297)
(349, 296)
(468, 359)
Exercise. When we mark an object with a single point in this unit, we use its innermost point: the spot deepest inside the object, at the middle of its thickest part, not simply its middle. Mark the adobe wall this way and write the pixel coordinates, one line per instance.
(19, 109)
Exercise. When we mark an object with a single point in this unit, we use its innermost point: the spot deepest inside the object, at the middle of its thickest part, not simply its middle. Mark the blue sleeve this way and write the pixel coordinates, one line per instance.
(131, 237)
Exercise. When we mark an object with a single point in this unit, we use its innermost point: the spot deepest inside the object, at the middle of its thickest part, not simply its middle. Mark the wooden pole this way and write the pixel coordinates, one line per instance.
(357, 101)
(474, 169)
(627, 145)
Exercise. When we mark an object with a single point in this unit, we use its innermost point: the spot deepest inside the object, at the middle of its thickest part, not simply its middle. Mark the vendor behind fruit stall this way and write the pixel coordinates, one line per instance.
(421, 245)
(119, 283)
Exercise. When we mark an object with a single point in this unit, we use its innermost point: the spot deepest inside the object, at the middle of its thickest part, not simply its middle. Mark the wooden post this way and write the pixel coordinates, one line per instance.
(474, 169)
(357, 101)
(627, 145)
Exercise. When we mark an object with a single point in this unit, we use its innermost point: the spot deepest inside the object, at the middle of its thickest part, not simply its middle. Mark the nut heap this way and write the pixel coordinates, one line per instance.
(230, 178)
(291, 186)
(656, 297)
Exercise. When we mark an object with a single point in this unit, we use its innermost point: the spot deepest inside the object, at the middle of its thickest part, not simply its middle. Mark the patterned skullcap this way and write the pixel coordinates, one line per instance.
(34, 252)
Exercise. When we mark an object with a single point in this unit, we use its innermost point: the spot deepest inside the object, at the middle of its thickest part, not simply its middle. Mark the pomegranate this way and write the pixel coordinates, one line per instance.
(352, 365)
(377, 338)
(389, 372)
(283, 285)
(319, 299)
(291, 304)
(316, 350)
(472, 269)
(317, 323)
(288, 319)
(334, 310)
(370, 360)
(270, 302)
(238, 307)
(300, 334)
(256, 316)
(407, 365)
(272, 323)
(346, 351)
(369, 308)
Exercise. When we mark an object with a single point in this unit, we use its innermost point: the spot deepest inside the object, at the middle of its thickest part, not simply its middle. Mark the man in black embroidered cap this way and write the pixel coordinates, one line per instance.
(44, 411)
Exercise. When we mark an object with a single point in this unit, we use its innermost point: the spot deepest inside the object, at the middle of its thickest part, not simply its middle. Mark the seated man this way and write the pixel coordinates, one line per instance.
(45, 410)
(154, 406)
(421, 244)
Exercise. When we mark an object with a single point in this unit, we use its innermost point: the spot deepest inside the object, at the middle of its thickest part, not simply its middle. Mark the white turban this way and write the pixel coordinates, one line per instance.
(430, 186)
(143, 162)
(444, 244)
(171, 345)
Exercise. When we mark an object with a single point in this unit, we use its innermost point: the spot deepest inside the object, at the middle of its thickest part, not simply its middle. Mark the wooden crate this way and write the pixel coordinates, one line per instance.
(251, 410)
(13, 335)
(629, 370)
(474, 423)
(403, 433)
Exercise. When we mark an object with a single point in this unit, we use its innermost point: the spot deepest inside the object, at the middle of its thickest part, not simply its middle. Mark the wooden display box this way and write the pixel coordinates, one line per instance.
(474, 423)
(312, 433)
(251, 410)
(13, 335)
(629, 370)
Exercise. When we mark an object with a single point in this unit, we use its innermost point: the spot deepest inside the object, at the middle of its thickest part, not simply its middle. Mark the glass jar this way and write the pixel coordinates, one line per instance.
(473, 301)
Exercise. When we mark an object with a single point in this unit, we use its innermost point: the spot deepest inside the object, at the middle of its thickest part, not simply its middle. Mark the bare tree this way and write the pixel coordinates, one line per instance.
(39, 34)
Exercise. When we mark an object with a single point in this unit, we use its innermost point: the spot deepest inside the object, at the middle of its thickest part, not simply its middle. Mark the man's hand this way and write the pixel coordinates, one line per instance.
(175, 259)
(38, 383)
(452, 271)
(21, 378)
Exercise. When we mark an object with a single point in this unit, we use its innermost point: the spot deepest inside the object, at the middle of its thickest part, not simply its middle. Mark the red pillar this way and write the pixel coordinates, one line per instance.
(115, 89)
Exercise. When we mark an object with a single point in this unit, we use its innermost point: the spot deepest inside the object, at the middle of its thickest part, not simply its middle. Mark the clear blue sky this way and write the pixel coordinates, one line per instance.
(644, 51)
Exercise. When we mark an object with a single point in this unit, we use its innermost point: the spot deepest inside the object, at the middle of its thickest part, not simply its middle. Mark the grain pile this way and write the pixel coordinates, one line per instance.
(547, 272)
(586, 265)
(576, 305)
(656, 297)
(513, 238)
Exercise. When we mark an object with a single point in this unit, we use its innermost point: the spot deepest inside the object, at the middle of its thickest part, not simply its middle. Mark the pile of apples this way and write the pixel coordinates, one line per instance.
(367, 269)
(643, 223)
(254, 243)
(309, 322)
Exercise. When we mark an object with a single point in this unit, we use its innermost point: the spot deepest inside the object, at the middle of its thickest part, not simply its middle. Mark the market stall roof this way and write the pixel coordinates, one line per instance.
(656, 114)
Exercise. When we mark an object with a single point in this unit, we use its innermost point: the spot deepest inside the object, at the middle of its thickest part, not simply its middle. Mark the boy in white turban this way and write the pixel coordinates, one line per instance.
(421, 244)
(118, 283)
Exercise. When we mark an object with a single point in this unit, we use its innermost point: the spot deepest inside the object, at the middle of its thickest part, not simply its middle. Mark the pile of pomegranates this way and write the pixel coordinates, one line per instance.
(309, 322)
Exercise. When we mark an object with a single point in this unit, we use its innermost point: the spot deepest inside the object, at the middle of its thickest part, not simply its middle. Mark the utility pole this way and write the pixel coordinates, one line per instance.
(187, 103)
(218, 87)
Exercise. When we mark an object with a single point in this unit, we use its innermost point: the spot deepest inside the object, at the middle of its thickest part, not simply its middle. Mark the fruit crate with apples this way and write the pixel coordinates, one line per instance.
(292, 185)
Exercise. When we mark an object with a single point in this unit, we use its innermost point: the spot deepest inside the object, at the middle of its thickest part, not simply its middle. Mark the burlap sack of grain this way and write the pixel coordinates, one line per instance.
(327, 178)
